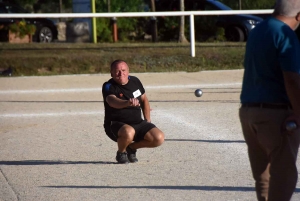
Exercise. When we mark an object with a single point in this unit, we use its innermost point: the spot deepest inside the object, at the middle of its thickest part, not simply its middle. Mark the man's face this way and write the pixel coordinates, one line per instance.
(120, 73)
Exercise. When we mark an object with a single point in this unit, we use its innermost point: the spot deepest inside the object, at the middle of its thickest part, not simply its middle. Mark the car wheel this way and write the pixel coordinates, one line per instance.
(235, 34)
(45, 35)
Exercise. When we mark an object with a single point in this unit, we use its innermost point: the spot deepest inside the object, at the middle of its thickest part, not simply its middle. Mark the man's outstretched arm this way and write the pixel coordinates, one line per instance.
(117, 103)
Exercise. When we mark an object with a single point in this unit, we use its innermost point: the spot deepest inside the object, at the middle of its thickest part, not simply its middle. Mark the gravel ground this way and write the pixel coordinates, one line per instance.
(53, 146)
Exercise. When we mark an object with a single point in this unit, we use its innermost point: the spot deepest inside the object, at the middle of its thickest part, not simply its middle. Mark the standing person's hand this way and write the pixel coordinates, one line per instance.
(292, 119)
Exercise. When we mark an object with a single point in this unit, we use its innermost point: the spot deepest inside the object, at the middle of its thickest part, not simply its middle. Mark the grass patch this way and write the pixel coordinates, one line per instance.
(85, 58)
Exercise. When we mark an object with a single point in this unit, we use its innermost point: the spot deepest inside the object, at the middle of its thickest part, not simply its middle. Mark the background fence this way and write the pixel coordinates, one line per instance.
(191, 14)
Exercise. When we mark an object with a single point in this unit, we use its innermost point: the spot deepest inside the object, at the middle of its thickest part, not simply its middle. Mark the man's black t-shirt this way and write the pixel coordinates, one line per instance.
(128, 115)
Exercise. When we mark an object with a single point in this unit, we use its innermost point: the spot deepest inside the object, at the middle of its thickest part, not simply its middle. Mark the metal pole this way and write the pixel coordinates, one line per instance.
(192, 35)
(94, 22)
(114, 29)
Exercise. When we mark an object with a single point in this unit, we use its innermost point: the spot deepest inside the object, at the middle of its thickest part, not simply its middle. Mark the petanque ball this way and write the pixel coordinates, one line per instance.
(198, 93)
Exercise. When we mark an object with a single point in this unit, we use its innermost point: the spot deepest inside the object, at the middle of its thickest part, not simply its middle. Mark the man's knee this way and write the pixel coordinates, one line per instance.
(160, 138)
(156, 136)
(127, 132)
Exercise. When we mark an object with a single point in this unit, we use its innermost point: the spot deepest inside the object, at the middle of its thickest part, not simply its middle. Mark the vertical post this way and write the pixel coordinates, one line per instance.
(94, 22)
(240, 4)
(153, 23)
(153, 5)
(192, 35)
(60, 9)
(154, 29)
(60, 6)
(114, 29)
(108, 6)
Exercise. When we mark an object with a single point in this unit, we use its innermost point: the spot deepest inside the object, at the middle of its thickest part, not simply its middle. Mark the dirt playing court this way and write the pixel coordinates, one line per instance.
(53, 146)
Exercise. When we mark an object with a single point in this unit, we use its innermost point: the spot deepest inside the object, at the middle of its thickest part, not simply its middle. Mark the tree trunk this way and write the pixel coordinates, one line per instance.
(153, 23)
(153, 5)
(108, 6)
(182, 38)
(60, 9)
(60, 6)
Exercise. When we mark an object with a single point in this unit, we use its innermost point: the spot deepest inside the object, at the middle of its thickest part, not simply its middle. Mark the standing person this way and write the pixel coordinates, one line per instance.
(270, 98)
(124, 101)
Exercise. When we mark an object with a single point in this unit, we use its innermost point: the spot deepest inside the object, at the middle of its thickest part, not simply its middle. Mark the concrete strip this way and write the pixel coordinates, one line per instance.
(6, 191)
(150, 87)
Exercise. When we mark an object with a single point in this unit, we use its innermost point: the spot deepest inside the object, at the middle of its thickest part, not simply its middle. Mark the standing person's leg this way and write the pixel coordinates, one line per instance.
(257, 155)
(281, 151)
(260, 169)
(283, 171)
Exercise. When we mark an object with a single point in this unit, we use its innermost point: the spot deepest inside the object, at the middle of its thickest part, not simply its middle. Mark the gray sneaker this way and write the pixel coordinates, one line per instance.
(122, 157)
(131, 155)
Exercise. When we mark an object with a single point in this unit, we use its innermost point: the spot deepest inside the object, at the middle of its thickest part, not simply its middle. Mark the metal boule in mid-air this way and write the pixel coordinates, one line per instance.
(198, 92)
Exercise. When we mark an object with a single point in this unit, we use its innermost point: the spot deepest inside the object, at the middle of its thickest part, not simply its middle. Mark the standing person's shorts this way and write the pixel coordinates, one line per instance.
(140, 129)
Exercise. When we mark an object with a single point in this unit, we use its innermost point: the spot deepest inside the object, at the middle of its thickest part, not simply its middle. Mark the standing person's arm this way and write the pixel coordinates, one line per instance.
(145, 105)
(292, 85)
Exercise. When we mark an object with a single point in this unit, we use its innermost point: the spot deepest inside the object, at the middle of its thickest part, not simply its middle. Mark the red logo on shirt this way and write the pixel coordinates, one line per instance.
(121, 95)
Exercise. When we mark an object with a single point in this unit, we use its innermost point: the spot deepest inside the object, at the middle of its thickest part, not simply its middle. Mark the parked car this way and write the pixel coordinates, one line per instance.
(46, 30)
(237, 27)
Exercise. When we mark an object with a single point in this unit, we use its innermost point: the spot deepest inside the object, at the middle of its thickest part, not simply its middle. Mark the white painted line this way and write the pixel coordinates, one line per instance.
(74, 90)
(221, 85)
(150, 87)
(52, 114)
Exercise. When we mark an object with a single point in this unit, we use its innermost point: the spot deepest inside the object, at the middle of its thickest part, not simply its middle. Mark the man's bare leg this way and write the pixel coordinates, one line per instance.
(125, 137)
(153, 138)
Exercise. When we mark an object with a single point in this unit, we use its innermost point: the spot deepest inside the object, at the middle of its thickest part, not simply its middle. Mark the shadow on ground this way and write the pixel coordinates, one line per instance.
(49, 162)
(209, 141)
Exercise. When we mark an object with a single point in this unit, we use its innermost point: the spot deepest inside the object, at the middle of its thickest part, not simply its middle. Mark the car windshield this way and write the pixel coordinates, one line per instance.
(218, 5)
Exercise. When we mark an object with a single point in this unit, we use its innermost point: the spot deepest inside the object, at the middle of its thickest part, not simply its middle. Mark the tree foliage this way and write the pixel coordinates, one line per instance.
(125, 25)
(24, 2)
(32, 3)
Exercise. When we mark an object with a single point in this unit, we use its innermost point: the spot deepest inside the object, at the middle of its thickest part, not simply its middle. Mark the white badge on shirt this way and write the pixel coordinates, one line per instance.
(137, 93)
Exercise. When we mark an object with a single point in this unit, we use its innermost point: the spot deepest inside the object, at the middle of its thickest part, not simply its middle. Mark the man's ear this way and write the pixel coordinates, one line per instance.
(298, 17)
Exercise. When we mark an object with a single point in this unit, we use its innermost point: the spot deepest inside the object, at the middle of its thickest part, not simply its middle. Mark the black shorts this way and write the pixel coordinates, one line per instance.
(140, 130)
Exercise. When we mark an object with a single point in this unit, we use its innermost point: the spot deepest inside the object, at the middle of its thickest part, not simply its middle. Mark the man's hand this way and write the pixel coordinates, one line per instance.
(134, 102)
(293, 118)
